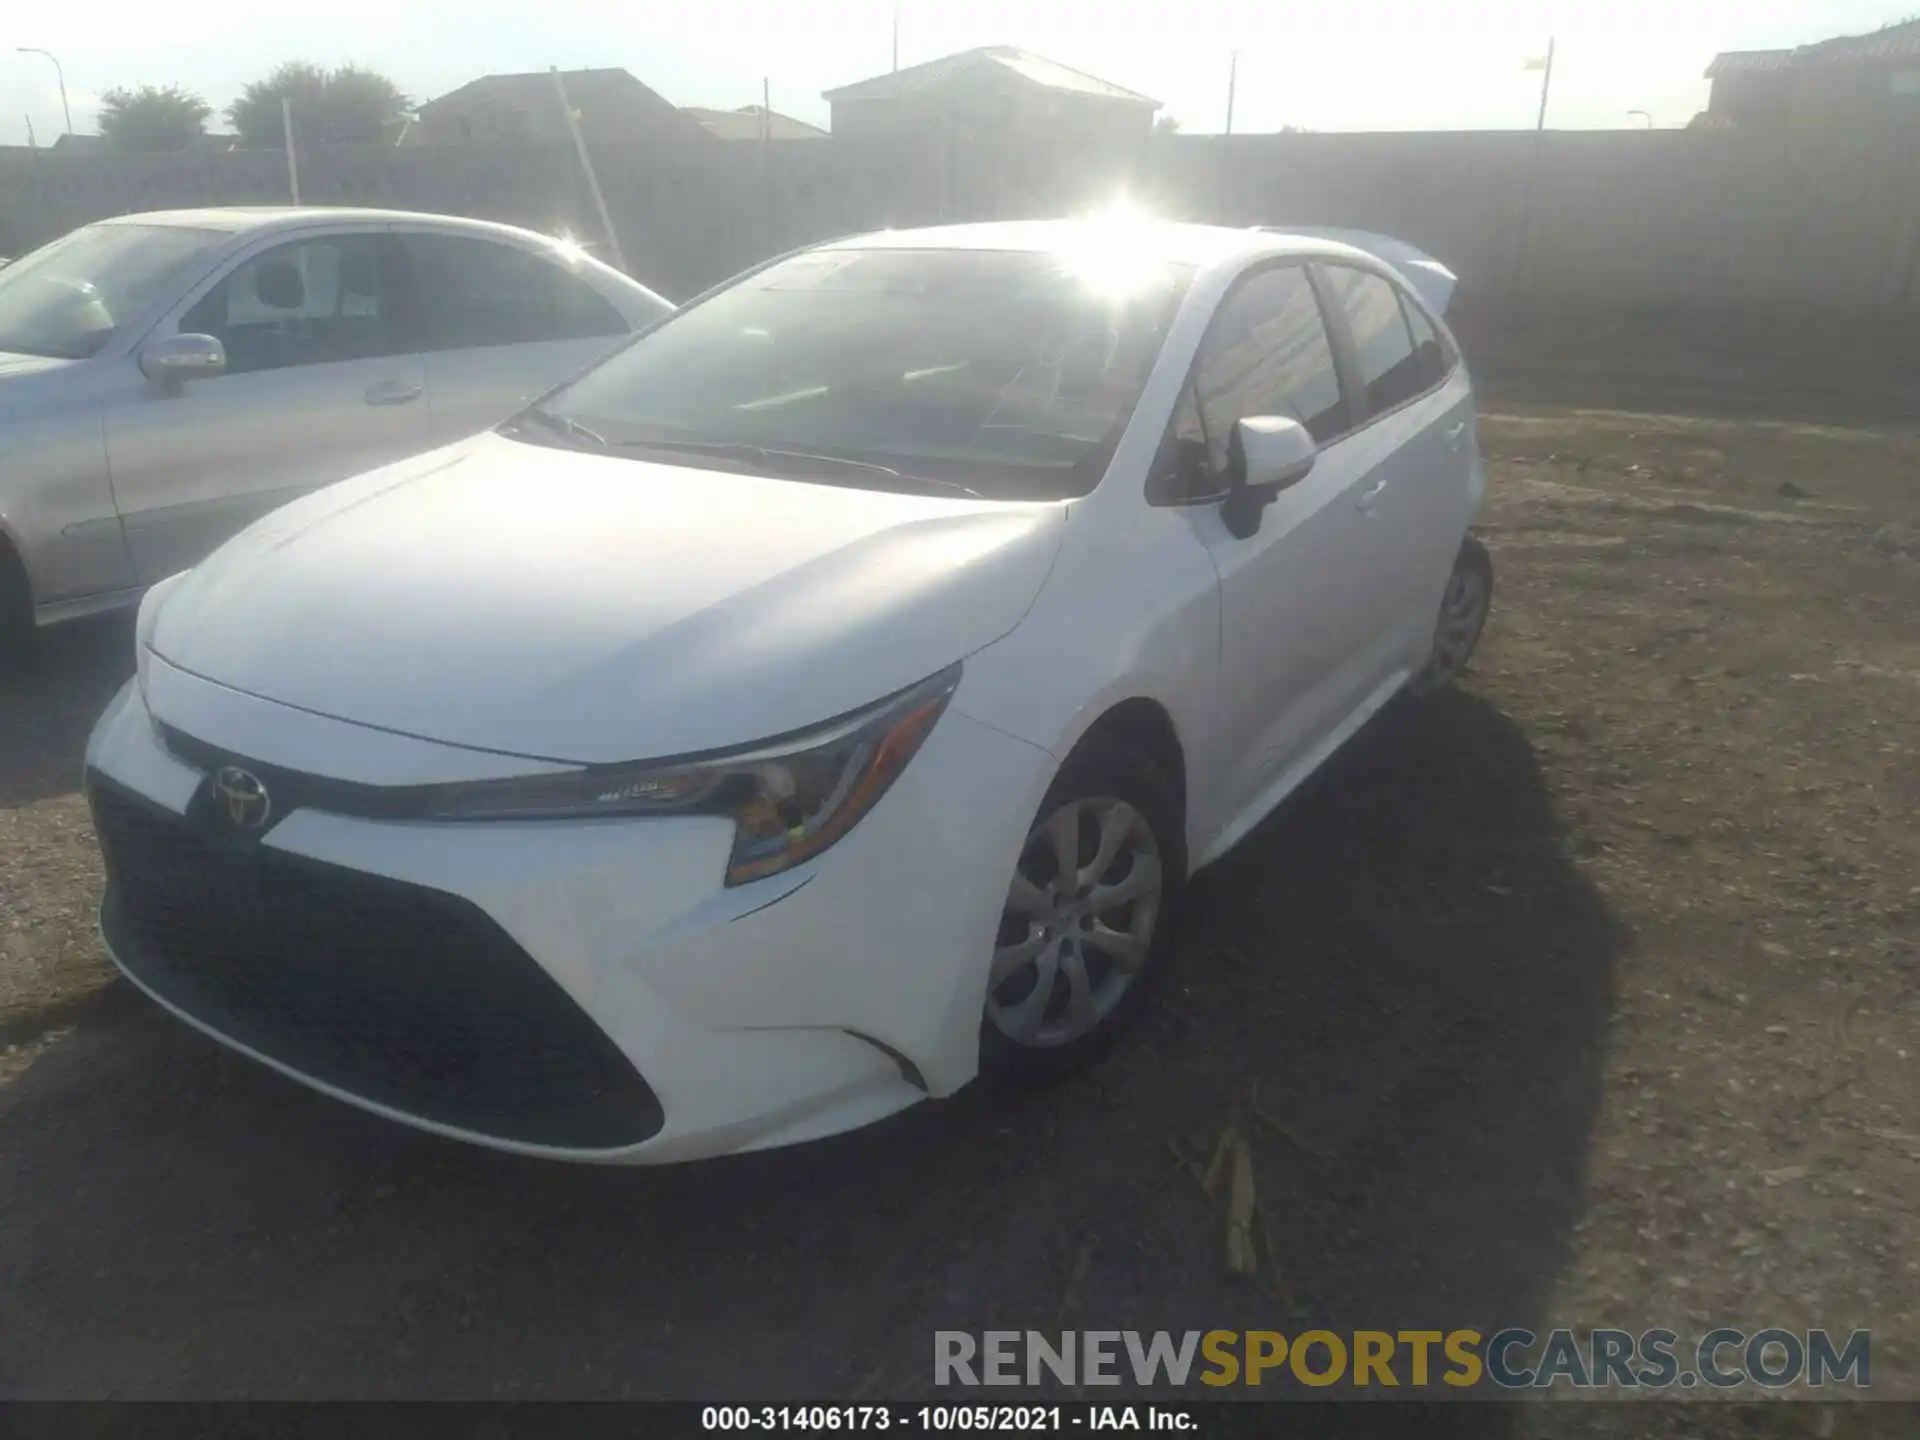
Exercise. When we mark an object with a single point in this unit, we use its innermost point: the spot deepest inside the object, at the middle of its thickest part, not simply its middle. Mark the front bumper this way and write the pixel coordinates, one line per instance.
(587, 990)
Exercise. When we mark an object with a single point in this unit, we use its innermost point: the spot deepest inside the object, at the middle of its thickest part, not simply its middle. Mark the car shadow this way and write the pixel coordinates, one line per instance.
(49, 699)
(1396, 989)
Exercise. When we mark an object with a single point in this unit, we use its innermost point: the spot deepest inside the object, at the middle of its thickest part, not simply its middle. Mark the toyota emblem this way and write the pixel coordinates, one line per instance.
(243, 796)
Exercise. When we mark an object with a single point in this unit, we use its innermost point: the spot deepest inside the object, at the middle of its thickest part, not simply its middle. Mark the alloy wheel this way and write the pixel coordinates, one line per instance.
(1078, 923)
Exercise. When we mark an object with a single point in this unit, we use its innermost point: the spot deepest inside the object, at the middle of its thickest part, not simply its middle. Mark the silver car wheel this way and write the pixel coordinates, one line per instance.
(1078, 922)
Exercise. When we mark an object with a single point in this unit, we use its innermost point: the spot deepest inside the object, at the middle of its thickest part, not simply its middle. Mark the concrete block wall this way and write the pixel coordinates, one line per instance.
(1633, 219)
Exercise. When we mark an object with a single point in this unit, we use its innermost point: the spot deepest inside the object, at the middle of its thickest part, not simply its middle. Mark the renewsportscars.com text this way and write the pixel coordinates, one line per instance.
(1509, 1359)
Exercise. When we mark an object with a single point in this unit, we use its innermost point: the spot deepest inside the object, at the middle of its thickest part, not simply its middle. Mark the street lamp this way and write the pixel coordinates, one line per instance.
(61, 74)
(1644, 116)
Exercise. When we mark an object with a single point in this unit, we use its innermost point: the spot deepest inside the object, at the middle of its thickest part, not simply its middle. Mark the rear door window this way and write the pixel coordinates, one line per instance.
(477, 293)
(1389, 368)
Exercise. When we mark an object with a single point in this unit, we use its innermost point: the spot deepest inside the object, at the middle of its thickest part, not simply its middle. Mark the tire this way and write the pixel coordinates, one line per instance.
(16, 609)
(1464, 608)
(1031, 1039)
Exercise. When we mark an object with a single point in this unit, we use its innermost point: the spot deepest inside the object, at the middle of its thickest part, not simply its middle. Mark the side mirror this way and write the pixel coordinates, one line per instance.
(182, 357)
(1265, 454)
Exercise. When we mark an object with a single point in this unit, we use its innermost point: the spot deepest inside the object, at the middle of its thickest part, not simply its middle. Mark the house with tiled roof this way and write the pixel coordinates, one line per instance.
(1851, 81)
(993, 89)
(611, 105)
(753, 122)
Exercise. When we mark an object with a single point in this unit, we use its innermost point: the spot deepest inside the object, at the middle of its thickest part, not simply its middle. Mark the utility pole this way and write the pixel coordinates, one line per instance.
(1546, 85)
(586, 165)
(60, 75)
(896, 36)
(1226, 137)
(766, 158)
(293, 166)
(1523, 231)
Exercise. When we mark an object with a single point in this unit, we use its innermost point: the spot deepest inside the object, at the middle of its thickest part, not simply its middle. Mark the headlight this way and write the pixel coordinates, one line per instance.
(788, 800)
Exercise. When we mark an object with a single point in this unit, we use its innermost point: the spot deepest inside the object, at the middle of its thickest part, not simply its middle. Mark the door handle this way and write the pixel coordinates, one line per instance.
(1371, 497)
(1454, 432)
(393, 392)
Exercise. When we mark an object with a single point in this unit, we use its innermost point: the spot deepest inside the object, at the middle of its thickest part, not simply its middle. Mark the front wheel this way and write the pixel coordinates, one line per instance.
(1079, 935)
(1463, 615)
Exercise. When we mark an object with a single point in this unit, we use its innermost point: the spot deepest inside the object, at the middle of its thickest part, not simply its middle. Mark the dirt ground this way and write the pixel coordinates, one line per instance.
(1583, 996)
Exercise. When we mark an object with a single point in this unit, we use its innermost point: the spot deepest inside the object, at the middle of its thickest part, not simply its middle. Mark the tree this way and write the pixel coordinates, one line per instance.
(1166, 125)
(154, 117)
(348, 106)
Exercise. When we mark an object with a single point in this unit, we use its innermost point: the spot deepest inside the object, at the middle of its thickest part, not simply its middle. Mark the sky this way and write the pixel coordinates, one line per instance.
(1352, 65)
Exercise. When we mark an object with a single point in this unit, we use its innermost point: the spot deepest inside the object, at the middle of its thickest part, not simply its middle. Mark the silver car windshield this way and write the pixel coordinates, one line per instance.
(67, 299)
(1005, 374)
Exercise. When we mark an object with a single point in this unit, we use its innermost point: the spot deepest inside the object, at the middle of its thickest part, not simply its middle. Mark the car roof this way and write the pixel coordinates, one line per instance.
(237, 219)
(1169, 240)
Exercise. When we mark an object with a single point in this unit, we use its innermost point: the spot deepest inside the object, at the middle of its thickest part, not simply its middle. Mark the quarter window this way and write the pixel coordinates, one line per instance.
(312, 302)
(477, 293)
(1430, 356)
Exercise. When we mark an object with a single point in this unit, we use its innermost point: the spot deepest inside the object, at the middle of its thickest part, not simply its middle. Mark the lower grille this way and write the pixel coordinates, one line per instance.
(404, 996)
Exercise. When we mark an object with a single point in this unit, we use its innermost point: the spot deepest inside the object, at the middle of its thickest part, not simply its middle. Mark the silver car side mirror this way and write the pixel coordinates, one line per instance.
(182, 357)
(1265, 454)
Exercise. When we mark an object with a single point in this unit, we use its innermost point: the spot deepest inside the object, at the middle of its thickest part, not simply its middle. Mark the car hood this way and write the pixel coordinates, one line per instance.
(12, 364)
(582, 607)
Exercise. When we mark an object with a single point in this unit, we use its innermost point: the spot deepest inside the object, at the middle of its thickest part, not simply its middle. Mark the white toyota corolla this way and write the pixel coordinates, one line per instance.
(818, 703)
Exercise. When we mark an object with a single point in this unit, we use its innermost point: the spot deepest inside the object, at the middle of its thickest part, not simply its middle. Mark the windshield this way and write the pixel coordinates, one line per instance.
(1006, 374)
(69, 298)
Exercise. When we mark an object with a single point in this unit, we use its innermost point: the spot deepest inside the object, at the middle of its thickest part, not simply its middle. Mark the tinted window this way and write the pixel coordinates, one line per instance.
(307, 303)
(1011, 373)
(583, 311)
(1267, 353)
(1388, 366)
(1429, 354)
(1182, 470)
(476, 293)
(70, 297)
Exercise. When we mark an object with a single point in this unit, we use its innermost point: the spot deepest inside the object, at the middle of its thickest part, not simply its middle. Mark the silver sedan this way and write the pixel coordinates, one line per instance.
(167, 378)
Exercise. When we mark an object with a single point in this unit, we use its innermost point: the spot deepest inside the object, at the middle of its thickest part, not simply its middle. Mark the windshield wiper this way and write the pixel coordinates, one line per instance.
(777, 459)
(562, 425)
